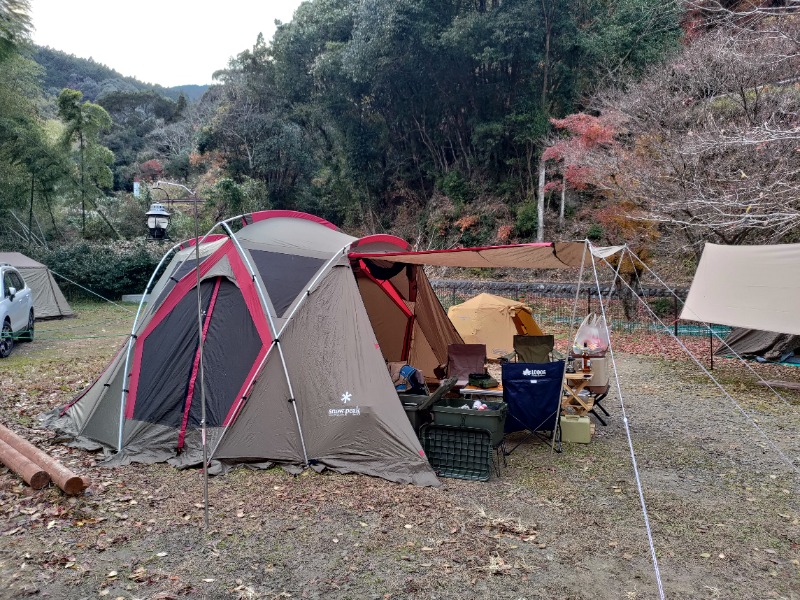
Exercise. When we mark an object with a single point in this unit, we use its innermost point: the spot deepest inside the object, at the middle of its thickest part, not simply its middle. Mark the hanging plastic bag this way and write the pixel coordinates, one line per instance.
(592, 335)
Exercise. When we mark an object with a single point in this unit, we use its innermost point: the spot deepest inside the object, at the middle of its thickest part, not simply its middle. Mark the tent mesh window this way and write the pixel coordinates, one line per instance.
(458, 452)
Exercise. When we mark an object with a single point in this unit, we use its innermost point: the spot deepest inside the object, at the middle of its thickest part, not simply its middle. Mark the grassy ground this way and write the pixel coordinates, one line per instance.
(722, 503)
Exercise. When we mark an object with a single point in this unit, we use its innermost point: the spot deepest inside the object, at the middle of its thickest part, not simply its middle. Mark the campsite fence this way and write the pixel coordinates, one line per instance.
(552, 304)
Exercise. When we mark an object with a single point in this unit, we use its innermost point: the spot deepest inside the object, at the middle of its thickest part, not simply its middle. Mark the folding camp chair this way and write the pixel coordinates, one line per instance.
(534, 348)
(598, 386)
(463, 359)
(533, 394)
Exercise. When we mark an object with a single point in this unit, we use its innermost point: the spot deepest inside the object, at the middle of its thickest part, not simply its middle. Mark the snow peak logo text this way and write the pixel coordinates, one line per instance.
(534, 372)
(344, 412)
(346, 398)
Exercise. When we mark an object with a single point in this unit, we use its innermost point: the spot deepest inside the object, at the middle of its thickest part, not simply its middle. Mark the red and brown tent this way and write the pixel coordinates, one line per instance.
(297, 320)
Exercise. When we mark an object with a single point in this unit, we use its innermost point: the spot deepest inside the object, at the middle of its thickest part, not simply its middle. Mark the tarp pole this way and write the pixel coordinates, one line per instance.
(202, 371)
(570, 338)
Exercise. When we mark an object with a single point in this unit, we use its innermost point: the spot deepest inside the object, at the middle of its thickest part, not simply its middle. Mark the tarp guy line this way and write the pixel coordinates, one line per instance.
(745, 362)
(630, 439)
(717, 383)
(239, 401)
(276, 341)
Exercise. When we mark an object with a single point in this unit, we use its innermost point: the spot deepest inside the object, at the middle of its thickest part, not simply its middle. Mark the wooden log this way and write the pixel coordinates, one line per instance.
(61, 475)
(33, 474)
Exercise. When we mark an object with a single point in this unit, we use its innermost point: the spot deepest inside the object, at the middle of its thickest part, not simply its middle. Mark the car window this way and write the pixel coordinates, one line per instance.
(18, 283)
(7, 283)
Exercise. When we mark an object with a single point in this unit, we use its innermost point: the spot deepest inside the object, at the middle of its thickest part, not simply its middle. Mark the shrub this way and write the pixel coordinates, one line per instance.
(107, 269)
(595, 232)
(527, 220)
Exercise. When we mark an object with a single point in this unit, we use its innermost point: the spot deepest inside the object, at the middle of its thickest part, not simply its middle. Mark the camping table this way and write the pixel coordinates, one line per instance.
(571, 398)
(471, 392)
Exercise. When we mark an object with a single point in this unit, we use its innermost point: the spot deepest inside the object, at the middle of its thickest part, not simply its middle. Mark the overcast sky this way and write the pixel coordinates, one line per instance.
(170, 42)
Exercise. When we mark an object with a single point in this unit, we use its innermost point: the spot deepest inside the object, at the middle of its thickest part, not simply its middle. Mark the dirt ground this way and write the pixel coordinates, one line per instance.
(723, 503)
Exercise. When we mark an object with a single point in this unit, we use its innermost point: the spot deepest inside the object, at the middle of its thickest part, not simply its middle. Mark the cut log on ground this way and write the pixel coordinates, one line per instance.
(33, 474)
(61, 475)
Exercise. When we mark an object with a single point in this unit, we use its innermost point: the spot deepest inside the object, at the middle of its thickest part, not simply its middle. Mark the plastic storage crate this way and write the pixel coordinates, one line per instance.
(493, 419)
(416, 411)
(458, 452)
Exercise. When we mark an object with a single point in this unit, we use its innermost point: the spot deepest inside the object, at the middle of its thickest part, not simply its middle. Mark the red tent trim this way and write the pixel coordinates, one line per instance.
(382, 238)
(246, 286)
(196, 364)
(263, 215)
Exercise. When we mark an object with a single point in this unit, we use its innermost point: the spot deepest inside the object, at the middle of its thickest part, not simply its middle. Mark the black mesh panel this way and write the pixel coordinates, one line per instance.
(167, 359)
(285, 275)
(231, 347)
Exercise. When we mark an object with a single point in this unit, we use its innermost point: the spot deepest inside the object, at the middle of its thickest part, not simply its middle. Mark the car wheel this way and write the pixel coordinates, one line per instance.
(27, 335)
(6, 340)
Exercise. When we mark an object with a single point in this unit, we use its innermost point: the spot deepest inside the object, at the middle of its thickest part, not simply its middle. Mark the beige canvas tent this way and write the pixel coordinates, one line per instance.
(493, 321)
(48, 301)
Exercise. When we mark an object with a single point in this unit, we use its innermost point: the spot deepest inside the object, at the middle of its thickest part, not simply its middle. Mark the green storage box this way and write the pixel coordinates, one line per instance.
(449, 412)
(417, 414)
(459, 452)
(576, 429)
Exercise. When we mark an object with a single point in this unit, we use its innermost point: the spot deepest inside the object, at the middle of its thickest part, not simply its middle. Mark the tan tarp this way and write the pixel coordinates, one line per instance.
(493, 321)
(558, 255)
(48, 300)
(747, 286)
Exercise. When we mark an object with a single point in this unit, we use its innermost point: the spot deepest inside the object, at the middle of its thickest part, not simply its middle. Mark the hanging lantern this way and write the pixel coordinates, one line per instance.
(157, 222)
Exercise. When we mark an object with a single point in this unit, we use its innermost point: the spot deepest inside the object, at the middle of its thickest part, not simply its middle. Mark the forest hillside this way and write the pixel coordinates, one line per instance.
(658, 124)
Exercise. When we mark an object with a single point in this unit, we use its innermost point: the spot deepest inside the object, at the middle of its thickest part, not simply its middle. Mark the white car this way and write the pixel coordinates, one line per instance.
(16, 309)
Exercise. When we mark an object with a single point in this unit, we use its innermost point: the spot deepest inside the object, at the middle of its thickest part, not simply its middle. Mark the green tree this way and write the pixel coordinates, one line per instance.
(84, 121)
(15, 26)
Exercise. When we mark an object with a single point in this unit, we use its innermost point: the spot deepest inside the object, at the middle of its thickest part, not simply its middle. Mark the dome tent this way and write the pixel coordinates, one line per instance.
(48, 300)
(298, 322)
(493, 321)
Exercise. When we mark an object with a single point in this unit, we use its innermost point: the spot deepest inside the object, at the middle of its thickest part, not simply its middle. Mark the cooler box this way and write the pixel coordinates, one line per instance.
(576, 429)
(449, 412)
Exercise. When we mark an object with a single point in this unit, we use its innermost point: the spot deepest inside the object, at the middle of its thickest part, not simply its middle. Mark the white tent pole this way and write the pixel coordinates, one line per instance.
(325, 268)
(131, 340)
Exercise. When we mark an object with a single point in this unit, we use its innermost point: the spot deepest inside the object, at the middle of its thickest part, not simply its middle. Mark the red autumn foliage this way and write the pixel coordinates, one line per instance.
(151, 170)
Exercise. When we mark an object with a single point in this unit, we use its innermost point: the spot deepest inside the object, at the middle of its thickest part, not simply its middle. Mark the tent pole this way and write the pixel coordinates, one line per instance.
(131, 339)
(276, 339)
(325, 268)
(202, 373)
(569, 337)
(710, 345)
